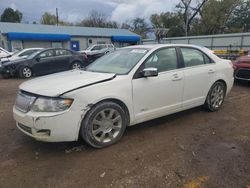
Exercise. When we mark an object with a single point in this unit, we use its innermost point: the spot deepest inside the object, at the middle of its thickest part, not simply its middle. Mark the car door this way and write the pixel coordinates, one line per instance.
(199, 75)
(43, 62)
(62, 60)
(161, 95)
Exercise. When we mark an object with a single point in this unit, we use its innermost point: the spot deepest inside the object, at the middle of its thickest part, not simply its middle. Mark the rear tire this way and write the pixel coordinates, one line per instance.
(215, 97)
(104, 124)
(25, 72)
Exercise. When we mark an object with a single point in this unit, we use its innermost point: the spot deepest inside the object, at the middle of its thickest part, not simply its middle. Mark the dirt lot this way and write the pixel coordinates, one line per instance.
(189, 149)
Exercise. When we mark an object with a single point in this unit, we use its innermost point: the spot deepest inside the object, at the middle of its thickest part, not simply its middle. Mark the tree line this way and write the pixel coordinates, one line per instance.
(190, 17)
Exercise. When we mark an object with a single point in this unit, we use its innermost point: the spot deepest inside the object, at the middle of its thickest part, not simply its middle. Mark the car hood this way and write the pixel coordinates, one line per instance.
(60, 83)
(11, 62)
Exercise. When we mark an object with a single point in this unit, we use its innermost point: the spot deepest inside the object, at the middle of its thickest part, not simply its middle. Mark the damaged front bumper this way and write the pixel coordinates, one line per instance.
(49, 127)
(7, 71)
(4, 71)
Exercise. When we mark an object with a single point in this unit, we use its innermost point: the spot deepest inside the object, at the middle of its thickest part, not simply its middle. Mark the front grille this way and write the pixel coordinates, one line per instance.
(25, 128)
(243, 74)
(24, 101)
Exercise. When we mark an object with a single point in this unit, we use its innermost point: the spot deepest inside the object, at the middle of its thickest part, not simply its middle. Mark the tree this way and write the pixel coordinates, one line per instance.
(139, 26)
(51, 19)
(216, 14)
(240, 20)
(11, 15)
(190, 12)
(48, 19)
(126, 25)
(169, 20)
(97, 19)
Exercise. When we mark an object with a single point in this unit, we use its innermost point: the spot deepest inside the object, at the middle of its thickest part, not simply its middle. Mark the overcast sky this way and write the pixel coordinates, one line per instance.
(76, 10)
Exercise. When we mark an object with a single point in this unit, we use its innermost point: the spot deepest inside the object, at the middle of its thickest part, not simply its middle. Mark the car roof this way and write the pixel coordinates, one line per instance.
(155, 46)
(26, 49)
(44, 49)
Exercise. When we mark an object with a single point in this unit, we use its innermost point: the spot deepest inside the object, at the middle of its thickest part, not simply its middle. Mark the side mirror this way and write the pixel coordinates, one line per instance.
(150, 72)
(38, 59)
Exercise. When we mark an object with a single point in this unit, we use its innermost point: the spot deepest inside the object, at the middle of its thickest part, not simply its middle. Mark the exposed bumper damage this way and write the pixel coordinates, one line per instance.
(55, 126)
(49, 127)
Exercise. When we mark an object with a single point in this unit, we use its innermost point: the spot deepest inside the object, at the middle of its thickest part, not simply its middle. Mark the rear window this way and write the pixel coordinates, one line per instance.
(193, 57)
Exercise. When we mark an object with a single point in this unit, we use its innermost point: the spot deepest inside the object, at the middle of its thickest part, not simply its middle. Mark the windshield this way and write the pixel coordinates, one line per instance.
(16, 52)
(118, 62)
(89, 48)
(33, 54)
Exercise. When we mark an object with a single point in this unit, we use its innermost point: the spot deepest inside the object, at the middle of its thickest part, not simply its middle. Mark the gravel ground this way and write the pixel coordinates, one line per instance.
(190, 149)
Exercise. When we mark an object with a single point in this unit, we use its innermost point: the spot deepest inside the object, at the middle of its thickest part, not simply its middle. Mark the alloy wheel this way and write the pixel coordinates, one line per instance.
(217, 96)
(106, 125)
(27, 72)
(76, 66)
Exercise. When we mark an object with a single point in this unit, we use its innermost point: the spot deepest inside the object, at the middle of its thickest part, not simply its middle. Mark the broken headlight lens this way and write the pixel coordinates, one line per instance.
(43, 104)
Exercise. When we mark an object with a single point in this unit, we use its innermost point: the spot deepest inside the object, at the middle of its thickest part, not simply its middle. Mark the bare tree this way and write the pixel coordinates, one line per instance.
(97, 19)
(190, 12)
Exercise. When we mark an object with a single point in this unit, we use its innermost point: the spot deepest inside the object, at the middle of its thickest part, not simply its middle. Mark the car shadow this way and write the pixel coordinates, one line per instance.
(242, 83)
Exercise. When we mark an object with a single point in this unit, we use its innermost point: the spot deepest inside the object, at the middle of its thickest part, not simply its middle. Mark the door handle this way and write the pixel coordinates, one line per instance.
(211, 71)
(176, 77)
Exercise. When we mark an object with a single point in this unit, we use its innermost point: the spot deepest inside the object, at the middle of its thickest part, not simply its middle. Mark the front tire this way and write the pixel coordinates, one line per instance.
(215, 97)
(25, 72)
(76, 65)
(104, 124)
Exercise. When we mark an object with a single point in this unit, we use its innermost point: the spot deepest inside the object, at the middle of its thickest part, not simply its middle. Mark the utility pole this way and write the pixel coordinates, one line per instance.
(186, 24)
(57, 16)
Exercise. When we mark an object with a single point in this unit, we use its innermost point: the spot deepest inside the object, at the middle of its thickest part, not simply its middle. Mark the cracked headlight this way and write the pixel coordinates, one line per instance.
(44, 104)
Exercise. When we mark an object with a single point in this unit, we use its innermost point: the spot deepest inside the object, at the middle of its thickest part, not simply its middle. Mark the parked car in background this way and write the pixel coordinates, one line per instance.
(44, 62)
(98, 48)
(21, 54)
(125, 87)
(4, 53)
(242, 68)
(96, 51)
(93, 57)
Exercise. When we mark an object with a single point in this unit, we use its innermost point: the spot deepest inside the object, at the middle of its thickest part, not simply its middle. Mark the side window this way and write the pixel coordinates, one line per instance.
(163, 60)
(48, 53)
(62, 52)
(96, 48)
(207, 59)
(192, 57)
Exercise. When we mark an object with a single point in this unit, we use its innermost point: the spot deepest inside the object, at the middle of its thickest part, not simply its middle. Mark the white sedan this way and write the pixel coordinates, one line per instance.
(123, 88)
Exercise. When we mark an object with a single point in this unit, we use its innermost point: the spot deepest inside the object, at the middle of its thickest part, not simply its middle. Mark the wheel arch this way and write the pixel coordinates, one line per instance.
(119, 102)
(76, 61)
(222, 81)
(18, 68)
